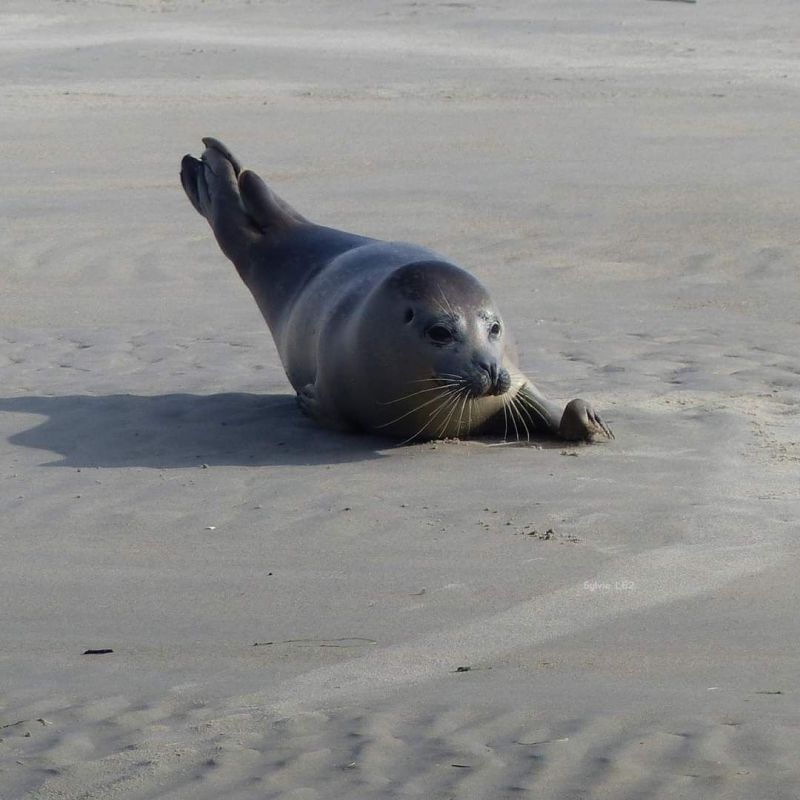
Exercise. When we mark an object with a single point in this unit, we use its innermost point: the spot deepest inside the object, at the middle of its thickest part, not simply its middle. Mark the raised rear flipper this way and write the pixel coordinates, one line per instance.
(238, 205)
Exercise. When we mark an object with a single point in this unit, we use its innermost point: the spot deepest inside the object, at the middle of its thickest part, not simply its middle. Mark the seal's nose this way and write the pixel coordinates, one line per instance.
(490, 368)
(499, 379)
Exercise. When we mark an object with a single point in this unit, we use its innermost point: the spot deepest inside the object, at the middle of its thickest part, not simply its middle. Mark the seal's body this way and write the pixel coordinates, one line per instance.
(377, 336)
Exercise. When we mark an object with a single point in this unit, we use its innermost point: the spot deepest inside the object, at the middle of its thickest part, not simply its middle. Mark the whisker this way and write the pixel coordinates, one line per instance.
(450, 405)
(461, 415)
(448, 375)
(522, 421)
(513, 419)
(443, 430)
(523, 410)
(530, 403)
(421, 391)
(520, 378)
(414, 410)
(451, 311)
(441, 307)
(430, 419)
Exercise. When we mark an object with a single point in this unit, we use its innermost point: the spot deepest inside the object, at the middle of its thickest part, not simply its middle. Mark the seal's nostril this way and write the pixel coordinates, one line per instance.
(503, 382)
(498, 377)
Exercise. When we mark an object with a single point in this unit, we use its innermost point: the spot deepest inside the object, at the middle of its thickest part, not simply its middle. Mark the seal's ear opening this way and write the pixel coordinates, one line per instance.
(409, 316)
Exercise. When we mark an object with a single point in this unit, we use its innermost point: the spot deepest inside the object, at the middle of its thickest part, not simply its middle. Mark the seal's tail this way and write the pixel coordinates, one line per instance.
(238, 205)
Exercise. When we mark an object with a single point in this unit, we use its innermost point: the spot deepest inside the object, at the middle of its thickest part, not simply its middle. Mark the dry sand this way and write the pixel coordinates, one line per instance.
(624, 176)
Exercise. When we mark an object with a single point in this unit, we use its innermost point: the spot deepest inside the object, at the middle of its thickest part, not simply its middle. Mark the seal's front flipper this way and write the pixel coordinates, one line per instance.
(578, 422)
(529, 412)
(581, 423)
(308, 401)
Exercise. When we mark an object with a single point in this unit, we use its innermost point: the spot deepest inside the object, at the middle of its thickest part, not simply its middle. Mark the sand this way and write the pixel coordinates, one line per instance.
(296, 613)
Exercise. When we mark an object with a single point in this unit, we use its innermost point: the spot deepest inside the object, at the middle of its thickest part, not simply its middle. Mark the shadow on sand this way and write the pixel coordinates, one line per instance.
(183, 430)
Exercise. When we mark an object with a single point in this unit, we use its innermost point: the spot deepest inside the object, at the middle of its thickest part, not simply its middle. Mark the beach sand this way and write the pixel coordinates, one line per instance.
(296, 613)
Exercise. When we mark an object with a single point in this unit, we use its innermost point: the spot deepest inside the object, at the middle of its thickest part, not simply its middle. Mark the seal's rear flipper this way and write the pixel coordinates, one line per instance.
(212, 186)
(191, 175)
(235, 202)
(265, 208)
(215, 144)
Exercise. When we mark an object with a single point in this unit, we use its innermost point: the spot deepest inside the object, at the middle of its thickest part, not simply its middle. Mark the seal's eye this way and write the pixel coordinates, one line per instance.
(495, 329)
(409, 315)
(440, 334)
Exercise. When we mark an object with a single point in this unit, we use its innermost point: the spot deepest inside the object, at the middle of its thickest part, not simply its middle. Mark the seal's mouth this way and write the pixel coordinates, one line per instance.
(443, 403)
(488, 381)
(481, 382)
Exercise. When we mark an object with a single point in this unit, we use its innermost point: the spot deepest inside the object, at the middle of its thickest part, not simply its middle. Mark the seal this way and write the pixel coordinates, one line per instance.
(376, 336)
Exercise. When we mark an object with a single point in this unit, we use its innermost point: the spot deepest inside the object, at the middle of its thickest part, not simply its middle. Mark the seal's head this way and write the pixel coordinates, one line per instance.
(440, 343)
